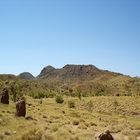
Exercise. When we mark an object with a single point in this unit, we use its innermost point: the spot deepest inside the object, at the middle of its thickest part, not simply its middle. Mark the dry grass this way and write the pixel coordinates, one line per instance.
(90, 117)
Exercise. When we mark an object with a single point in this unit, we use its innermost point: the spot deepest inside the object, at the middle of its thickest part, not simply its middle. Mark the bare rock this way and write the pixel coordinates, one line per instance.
(4, 96)
(7, 133)
(106, 136)
(21, 108)
(29, 118)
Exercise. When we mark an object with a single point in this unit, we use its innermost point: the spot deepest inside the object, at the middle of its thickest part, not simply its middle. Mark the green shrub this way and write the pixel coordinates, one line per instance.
(59, 99)
(15, 90)
(37, 93)
(71, 104)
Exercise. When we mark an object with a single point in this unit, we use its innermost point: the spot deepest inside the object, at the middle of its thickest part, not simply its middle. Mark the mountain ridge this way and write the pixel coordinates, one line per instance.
(87, 79)
(74, 72)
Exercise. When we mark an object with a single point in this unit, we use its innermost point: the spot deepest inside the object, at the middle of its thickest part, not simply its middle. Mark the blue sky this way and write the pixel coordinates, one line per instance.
(37, 33)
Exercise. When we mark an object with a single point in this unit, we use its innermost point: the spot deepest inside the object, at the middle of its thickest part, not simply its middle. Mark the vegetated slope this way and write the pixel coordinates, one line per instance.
(5, 77)
(89, 80)
(26, 76)
(71, 80)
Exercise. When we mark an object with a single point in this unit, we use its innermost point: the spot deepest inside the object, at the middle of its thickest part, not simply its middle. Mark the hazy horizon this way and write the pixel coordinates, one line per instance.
(34, 34)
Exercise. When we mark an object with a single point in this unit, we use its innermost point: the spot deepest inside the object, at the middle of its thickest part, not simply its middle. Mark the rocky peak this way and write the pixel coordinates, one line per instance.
(69, 72)
(26, 76)
(46, 71)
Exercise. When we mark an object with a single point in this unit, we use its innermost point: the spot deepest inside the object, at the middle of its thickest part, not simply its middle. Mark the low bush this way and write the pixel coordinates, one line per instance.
(59, 99)
(71, 104)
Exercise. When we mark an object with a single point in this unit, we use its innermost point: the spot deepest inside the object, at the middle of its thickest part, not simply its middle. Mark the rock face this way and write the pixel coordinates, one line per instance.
(74, 73)
(106, 136)
(70, 72)
(5, 96)
(21, 108)
(46, 71)
(26, 76)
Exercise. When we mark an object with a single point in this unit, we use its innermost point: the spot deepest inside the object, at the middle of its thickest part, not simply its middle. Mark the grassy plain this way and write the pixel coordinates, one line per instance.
(89, 117)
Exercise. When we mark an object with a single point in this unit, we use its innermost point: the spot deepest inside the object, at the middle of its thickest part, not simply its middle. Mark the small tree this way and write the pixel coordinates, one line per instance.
(15, 89)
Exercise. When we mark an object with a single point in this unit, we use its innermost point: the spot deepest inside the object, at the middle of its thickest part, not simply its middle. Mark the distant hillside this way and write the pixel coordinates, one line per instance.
(75, 73)
(87, 80)
(26, 76)
(5, 77)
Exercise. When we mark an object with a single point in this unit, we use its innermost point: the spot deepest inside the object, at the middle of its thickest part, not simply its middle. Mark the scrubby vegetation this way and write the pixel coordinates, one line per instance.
(43, 89)
(71, 110)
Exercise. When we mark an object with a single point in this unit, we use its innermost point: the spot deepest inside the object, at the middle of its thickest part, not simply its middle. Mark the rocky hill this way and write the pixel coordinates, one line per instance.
(72, 80)
(89, 80)
(75, 73)
(26, 76)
